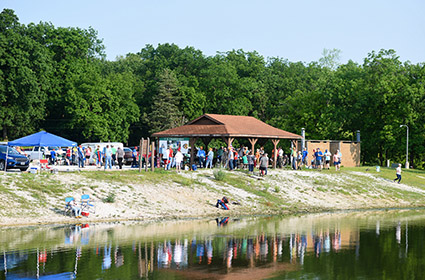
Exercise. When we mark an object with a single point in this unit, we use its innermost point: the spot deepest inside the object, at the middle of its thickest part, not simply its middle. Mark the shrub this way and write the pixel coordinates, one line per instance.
(110, 198)
(219, 175)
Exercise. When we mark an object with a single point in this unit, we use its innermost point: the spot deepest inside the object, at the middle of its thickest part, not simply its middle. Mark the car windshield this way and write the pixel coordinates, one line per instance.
(127, 150)
(12, 151)
(55, 148)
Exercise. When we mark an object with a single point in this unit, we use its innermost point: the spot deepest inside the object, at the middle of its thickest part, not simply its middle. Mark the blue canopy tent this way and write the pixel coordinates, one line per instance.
(40, 139)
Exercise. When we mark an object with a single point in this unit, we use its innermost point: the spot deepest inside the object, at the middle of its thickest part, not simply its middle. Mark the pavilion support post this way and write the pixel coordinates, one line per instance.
(153, 156)
(192, 142)
(140, 155)
(253, 141)
(275, 142)
(229, 141)
(147, 154)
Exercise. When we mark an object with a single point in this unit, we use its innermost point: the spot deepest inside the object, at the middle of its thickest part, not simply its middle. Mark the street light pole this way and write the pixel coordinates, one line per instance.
(407, 145)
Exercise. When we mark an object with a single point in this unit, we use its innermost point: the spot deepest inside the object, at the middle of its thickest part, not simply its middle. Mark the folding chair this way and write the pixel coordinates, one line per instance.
(44, 164)
(68, 208)
(87, 205)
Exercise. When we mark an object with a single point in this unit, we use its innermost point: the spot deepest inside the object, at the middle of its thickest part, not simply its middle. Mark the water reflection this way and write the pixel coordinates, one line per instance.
(249, 249)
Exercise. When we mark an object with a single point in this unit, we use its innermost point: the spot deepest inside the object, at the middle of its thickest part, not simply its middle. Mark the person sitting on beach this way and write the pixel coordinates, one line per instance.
(223, 203)
(75, 208)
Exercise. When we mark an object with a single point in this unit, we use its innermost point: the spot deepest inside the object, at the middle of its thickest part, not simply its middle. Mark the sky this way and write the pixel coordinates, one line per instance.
(297, 30)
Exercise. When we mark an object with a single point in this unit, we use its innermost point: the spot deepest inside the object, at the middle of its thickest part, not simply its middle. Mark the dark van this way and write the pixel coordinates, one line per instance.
(14, 159)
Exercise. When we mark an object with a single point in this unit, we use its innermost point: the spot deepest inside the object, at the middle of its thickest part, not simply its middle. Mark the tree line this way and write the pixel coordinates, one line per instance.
(58, 79)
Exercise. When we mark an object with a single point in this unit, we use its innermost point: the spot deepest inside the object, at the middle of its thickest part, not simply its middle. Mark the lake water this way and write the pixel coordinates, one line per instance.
(350, 245)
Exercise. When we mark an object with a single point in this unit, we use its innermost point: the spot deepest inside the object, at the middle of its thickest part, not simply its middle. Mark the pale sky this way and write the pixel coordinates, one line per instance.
(295, 30)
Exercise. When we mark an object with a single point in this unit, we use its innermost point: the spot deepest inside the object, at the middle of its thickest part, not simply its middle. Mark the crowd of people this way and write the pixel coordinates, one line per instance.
(106, 157)
(242, 158)
(230, 158)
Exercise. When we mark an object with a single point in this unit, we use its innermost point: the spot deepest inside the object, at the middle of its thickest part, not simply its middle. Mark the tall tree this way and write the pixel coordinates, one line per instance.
(330, 58)
(25, 69)
(165, 113)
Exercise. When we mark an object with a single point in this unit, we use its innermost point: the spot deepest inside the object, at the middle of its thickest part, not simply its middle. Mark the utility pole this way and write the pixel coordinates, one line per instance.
(407, 145)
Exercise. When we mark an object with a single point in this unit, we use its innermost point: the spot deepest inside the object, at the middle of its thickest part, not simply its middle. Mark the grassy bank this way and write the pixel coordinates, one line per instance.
(32, 198)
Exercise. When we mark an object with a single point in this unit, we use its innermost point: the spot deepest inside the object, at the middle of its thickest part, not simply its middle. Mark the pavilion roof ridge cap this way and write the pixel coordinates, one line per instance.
(208, 116)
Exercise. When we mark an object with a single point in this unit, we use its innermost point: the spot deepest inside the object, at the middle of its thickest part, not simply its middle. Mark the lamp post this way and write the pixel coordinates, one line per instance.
(407, 145)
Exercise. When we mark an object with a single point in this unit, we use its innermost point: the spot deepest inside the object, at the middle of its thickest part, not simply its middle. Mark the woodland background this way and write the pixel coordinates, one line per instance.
(58, 79)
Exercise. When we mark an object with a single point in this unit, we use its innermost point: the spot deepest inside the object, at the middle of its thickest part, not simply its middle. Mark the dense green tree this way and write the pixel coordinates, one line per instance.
(25, 72)
(165, 113)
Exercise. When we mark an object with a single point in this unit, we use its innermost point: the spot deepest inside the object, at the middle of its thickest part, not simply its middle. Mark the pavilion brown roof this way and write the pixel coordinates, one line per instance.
(214, 125)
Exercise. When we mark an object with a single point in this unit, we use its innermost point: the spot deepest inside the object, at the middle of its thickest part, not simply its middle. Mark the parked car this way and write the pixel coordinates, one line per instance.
(37, 152)
(14, 160)
(128, 156)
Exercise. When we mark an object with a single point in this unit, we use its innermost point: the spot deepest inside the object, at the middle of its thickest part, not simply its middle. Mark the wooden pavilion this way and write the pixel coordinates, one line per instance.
(228, 128)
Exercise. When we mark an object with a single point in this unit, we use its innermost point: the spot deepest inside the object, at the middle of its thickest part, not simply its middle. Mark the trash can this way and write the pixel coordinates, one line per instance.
(378, 169)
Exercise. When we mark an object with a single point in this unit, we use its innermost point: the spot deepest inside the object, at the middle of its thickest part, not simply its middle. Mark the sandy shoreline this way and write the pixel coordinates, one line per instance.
(37, 199)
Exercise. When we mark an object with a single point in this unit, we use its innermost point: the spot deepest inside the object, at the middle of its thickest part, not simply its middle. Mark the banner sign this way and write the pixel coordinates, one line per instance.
(174, 143)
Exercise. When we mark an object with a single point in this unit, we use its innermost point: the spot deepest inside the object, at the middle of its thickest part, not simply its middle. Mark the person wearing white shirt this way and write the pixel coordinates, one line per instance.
(178, 158)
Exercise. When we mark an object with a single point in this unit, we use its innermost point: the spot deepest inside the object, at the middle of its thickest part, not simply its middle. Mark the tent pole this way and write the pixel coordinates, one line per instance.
(5, 161)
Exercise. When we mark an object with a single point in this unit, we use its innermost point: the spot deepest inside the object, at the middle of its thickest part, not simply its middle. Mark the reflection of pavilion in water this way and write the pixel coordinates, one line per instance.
(251, 257)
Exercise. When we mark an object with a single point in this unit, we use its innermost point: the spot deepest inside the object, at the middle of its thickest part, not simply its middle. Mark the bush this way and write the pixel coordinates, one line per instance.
(219, 175)
(110, 198)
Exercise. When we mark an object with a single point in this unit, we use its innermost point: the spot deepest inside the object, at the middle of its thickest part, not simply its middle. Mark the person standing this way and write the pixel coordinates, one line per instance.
(98, 157)
(327, 158)
(299, 160)
(201, 157)
(339, 159)
(134, 155)
(108, 157)
(53, 157)
(170, 158)
(74, 156)
(257, 158)
(294, 157)
(165, 154)
(120, 156)
(398, 173)
(230, 158)
(80, 155)
(68, 156)
(319, 156)
(244, 161)
(178, 158)
(235, 159)
(304, 159)
(220, 155)
(210, 158)
(251, 160)
(335, 158)
(224, 158)
(280, 157)
(87, 155)
(264, 163)
(114, 154)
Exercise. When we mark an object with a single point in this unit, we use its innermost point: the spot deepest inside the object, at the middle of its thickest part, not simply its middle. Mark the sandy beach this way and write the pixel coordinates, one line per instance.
(40, 198)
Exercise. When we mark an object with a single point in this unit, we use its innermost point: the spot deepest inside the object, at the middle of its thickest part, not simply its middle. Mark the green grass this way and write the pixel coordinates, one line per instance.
(411, 177)
(252, 186)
